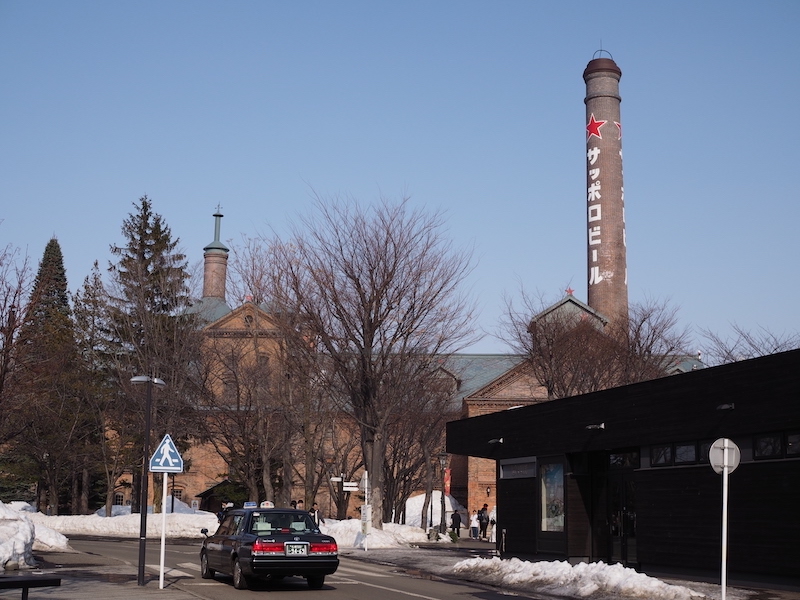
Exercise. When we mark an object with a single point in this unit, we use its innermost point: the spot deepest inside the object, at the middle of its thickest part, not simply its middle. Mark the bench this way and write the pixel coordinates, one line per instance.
(25, 582)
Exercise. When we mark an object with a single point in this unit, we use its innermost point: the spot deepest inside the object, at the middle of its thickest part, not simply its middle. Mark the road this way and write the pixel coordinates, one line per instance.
(355, 579)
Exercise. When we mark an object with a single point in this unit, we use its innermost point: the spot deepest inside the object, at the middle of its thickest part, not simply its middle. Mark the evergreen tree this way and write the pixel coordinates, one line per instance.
(150, 331)
(113, 438)
(48, 377)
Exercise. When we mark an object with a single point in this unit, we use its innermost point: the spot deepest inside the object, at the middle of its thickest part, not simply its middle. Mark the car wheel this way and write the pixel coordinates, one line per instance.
(316, 582)
(239, 580)
(206, 572)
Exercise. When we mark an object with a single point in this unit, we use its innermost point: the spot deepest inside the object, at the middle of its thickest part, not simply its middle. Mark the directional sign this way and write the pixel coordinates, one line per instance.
(166, 458)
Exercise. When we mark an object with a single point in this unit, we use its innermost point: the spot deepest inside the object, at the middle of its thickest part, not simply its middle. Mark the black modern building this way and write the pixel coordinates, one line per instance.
(623, 475)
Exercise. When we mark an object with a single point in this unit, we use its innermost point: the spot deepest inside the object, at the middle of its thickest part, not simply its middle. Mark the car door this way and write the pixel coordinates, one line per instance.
(215, 543)
(231, 541)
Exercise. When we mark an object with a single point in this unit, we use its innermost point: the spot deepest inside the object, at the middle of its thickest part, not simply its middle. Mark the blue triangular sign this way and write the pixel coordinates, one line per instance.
(166, 458)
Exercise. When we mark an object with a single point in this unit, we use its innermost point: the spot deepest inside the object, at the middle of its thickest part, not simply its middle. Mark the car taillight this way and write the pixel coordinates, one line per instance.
(262, 548)
(323, 548)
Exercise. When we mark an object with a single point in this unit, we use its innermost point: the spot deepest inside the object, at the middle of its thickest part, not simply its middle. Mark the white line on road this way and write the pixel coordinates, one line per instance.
(342, 569)
(389, 589)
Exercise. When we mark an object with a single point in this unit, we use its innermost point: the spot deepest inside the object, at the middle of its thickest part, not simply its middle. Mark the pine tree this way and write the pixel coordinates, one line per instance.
(48, 377)
(150, 331)
(113, 438)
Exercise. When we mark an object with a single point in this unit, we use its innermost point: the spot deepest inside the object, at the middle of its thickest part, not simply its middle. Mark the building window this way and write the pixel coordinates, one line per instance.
(552, 496)
(119, 499)
(626, 459)
(705, 448)
(661, 456)
(685, 454)
(768, 446)
(177, 494)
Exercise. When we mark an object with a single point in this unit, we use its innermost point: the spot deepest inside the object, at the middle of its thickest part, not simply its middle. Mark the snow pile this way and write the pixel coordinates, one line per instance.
(173, 506)
(348, 534)
(414, 510)
(179, 525)
(583, 580)
(17, 533)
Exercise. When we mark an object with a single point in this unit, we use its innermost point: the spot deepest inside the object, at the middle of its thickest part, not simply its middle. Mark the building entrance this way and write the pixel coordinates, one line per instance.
(622, 518)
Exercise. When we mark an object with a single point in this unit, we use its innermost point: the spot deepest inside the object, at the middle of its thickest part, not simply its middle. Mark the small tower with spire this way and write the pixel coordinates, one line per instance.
(215, 264)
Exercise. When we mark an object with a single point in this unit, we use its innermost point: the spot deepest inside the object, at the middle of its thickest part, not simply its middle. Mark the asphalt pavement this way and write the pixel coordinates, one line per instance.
(91, 576)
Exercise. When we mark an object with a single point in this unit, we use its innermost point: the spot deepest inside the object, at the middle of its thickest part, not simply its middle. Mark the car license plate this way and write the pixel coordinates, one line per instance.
(296, 549)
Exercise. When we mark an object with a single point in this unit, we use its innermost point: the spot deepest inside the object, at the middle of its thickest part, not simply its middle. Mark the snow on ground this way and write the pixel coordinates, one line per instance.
(19, 523)
(583, 580)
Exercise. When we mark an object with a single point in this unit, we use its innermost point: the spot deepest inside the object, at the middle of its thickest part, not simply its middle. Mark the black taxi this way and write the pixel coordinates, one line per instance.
(268, 543)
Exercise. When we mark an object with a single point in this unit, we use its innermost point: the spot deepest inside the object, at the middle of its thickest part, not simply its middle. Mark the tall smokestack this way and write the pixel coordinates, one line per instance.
(607, 262)
(215, 264)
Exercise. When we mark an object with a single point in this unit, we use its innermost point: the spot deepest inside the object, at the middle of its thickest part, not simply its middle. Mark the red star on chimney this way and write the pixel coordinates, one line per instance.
(593, 128)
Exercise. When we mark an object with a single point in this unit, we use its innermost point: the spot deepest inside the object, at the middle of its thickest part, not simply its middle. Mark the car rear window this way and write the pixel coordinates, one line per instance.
(274, 522)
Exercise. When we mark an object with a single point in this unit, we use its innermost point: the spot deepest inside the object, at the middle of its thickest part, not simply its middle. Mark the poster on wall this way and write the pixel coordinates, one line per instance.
(552, 509)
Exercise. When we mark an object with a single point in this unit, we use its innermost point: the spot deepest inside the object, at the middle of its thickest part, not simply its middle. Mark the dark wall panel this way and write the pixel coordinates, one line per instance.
(517, 515)
(579, 506)
(680, 517)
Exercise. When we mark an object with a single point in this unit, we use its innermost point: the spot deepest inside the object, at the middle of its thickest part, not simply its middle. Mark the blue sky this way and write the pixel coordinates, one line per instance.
(473, 108)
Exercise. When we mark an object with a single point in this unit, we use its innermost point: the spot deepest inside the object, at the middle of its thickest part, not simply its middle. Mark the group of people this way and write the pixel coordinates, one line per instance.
(316, 516)
(479, 522)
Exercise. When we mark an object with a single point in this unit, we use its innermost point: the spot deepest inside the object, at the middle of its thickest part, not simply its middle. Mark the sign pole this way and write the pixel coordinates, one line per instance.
(163, 532)
(166, 460)
(725, 473)
(366, 515)
(724, 456)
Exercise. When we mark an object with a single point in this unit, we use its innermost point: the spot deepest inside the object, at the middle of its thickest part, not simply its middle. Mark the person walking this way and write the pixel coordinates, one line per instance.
(483, 521)
(315, 514)
(455, 523)
(474, 524)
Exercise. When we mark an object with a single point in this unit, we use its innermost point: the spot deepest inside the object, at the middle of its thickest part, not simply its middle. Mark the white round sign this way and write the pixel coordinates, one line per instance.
(724, 453)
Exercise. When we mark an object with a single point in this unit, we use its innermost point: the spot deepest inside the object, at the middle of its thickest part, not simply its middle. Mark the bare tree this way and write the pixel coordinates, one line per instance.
(240, 415)
(15, 281)
(650, 341)
(572, 351)
(414, 442)
(744, 344)
(377, 291)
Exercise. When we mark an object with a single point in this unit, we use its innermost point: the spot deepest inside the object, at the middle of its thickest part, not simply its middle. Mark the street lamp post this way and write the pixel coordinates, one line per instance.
(150, 382)
(443, 465)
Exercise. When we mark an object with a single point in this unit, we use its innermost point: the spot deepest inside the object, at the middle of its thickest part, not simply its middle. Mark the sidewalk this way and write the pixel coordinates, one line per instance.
(439, 558)
(94, 577)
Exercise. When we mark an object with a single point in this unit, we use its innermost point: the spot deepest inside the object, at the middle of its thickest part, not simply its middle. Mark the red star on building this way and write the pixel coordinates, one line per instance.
(569, 291)
(593, 128)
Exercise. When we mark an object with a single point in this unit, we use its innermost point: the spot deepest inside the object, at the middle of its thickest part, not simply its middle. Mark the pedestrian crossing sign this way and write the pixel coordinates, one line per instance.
(166, 458)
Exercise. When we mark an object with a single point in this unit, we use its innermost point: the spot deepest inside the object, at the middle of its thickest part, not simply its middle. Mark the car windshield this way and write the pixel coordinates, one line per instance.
(278, 522)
